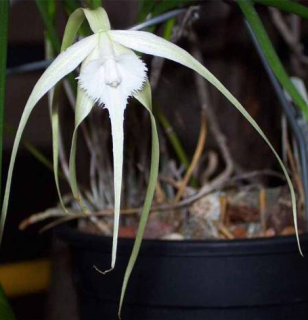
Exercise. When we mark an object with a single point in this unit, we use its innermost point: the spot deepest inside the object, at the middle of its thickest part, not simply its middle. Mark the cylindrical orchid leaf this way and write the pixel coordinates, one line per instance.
(145, 98)
(65, 63)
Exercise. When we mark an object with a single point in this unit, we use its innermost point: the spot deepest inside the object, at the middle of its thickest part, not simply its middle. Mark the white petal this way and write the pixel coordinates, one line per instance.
(65, 63)
(97, 19)
(149, 43)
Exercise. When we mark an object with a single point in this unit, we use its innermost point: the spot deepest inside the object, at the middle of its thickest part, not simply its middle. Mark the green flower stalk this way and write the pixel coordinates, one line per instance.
(110, 73)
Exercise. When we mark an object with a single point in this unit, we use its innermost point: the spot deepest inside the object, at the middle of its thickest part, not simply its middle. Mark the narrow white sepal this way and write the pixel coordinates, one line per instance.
(116, 107)
(84, 105)
(65, 63)
(149, 43)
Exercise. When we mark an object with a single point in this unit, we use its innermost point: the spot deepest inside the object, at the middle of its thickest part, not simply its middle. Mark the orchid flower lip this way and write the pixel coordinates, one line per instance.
(113, 76)
(116, 68)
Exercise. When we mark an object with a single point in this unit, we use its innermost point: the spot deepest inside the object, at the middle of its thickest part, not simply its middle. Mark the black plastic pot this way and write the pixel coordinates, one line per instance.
(192, 280)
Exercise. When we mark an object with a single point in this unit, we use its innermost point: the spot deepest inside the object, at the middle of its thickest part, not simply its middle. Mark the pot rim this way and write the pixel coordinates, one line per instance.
(234, 247)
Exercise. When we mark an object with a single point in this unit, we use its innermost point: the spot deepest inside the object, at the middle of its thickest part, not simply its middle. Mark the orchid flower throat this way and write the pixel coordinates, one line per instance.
(112, 70)
(113, 77)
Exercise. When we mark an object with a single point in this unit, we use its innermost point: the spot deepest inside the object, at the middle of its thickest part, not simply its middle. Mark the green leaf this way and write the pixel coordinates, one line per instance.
(168, 28)
(5, 309)
(6, 313)
(53, 96)
(51, 9)
(144, 97)
(51, 30)
(83, 107)
(73, 24)
(96, 4)
(287, 6)
(172, 137)
(54, 115)
(145, 8)
(270, 54)
(150, 44)
(301, 87)
(71, 6)
(164, 6)
(155, 7)
(4, 20)
(52, 33)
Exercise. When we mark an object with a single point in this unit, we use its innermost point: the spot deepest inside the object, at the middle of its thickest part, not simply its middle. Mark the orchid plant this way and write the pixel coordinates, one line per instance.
(110, 73)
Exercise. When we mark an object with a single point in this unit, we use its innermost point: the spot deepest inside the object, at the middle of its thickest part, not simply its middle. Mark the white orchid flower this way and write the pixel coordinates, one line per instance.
(110, 73)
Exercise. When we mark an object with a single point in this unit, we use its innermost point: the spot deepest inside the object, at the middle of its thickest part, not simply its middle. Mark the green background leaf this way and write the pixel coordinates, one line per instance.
(4, 20)
(270, 54)
(145, 98)
(6, 312)
(287, 6)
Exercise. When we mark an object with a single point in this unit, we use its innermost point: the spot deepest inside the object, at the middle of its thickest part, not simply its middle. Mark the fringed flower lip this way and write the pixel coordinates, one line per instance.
(110, 73)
